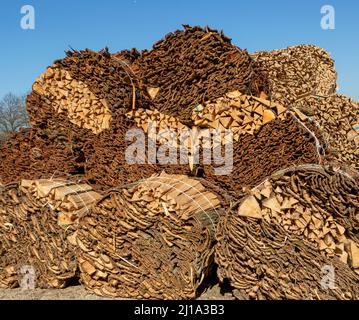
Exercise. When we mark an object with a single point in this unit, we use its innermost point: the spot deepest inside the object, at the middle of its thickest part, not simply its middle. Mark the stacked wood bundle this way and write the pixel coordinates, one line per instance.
(194, 65)
(338, 117)
(263, 261)
(163, 128)
(266, 137)
(153, 239)
(45, 215)
(11, 238)
(35, 153)
(278, 144)
(297, 71)
(89, 89)
(314, 202)
(236, 111)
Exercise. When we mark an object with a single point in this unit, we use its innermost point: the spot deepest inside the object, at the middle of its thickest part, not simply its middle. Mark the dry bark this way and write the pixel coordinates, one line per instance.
(194, 65)
(153, 239)
(42, 218)
(297, 71)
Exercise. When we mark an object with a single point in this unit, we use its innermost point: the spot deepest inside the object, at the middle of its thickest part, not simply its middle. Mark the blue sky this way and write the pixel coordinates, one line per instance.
(252, 24)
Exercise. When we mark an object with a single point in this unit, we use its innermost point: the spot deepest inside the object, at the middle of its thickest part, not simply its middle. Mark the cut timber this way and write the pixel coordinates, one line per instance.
(229, 112)
(354, 254)
(268, 116)
(250, 208)
(89, 102)
(153, 92)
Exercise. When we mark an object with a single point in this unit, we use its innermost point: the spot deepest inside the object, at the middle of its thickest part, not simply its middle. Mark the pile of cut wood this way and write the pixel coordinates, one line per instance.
(40, 218)
(151, 240)
(147, 174)
(297, 72)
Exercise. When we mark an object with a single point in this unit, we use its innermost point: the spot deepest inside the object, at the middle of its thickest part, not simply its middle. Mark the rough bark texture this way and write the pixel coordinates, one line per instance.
(297, 71)
(40, 218)
(338, 118)
(194, 65)
(152, 240)
(35, 154)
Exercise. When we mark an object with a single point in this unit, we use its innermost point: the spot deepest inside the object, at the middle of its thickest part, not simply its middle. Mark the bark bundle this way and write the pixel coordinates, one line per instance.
(35, 154)
(314, 202)
(338, 118)
(88, 89)
(11, 237)
(262, 261)
(297, 71)
(107, 165)
(194, 65)
(40, 233)
(277, 145)
(151, 240)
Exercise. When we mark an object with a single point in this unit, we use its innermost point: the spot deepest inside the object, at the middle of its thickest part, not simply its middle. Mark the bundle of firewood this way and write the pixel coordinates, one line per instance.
(43, 220)
(265, 135)
(194, 65)
(153, 239)
(262, 260)
(35, 153)
(297, 71)
(313, 202)
(241, 113)
(88, 89)
(338, 117)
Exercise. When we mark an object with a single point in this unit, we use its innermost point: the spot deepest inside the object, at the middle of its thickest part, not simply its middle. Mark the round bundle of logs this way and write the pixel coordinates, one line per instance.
(263, 261)
(338, 117)
(297, 71)
(88, 89)
(45, 218)
(35, 154)
(154, 239)
(314, 202)
(209, 67)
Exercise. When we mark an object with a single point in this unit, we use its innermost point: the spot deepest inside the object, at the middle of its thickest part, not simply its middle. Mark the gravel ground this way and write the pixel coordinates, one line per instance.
(80, 293)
